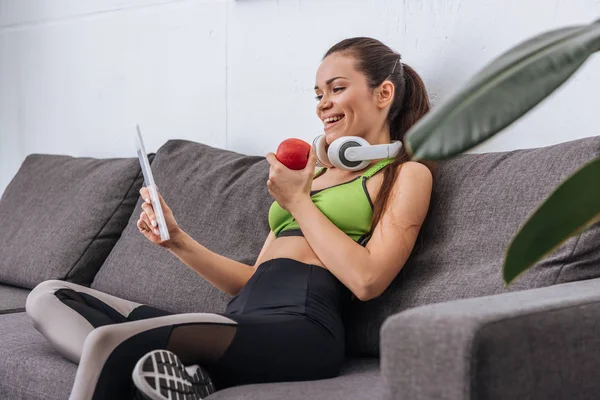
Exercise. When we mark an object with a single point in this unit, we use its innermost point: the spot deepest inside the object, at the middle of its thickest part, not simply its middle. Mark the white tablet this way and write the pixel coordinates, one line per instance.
(149, 183)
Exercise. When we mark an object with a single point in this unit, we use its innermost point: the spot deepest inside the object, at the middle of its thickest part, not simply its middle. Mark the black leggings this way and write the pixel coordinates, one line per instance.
(286, 324)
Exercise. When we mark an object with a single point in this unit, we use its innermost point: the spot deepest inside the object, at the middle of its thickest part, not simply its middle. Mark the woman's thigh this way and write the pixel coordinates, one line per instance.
(235, 349)
(110, 352)
(52, 295)
(66, 313)
(276, 348)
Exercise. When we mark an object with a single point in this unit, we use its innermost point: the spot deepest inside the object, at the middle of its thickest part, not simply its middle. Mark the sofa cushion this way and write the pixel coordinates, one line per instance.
(62, 215)
(12, 299)
(478, 203)
(360, 379)
(219, 198)
(31, 368)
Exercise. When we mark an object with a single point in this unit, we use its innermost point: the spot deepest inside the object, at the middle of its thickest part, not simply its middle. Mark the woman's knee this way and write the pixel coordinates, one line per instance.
(100, 337)
(39, 296)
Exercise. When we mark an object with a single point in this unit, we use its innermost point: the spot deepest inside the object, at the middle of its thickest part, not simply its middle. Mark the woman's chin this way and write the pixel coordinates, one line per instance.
(331, 136)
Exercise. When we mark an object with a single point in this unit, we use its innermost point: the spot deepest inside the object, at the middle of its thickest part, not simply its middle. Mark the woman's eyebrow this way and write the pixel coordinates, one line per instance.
(328, 81)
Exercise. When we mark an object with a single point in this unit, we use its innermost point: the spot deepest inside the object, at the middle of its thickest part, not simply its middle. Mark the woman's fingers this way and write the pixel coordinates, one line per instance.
(148, 207)
(142, 225)
(145, 194)
(150, 224)
(150, 213)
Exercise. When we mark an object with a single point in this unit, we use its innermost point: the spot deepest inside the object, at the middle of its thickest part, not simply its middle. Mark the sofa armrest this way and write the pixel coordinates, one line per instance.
(535, 344)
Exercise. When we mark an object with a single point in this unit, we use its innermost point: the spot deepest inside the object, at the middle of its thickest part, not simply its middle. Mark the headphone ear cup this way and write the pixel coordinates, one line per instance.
(322, 157)
(337, 149)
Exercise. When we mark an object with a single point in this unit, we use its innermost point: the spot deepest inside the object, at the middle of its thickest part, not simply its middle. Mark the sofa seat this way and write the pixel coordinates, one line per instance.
(360, 379)
(12, 299)
(32, 369)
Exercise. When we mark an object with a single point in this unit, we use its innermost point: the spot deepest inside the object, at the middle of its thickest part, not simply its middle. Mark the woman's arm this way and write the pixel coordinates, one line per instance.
(368, 271)
(225, 274)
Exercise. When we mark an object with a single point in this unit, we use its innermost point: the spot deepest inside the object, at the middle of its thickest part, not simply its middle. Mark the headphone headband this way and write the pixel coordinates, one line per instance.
(373, 152)
(352, 153)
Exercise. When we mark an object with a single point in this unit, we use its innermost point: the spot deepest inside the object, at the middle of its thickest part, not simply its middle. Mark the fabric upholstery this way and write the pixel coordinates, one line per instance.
(62, 215)
(475, 196)
(12, 299)
(535, 344)
(220, 199)
(33, 370)
(359, 379)
(30, 367)
(478, 203)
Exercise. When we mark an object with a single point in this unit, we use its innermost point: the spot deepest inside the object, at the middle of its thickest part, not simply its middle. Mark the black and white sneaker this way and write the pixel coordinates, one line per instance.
(160, 375)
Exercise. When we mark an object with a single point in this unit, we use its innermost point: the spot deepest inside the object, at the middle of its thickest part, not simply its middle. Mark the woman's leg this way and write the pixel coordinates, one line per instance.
(283, 326)
(110, 352)
(238, 350)
(65, 313)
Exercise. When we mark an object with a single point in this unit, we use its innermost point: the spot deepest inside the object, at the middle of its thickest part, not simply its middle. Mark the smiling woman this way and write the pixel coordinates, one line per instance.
(346, 91)
(362, 89)
(336, 235)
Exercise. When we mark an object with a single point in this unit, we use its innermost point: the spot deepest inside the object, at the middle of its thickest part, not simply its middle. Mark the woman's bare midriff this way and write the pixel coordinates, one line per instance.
(294, 247)
(297, 247)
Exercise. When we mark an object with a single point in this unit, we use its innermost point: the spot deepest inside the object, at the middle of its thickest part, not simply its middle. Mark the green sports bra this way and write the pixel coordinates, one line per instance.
(348, 205)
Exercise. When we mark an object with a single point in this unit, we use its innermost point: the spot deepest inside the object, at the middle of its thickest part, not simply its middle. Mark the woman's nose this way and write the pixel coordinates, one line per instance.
(324, 104)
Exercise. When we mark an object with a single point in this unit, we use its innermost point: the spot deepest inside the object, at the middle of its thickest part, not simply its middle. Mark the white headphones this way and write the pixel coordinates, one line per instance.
(352, 153)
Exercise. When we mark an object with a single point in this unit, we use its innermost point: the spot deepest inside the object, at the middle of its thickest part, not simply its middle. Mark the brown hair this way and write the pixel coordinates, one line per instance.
(376, 61)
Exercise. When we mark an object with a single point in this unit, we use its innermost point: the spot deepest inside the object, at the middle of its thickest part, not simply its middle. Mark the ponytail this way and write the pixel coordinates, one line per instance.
(415, 103)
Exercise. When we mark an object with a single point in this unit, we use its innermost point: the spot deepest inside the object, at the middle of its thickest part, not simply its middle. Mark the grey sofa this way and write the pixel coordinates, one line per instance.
(446, 328)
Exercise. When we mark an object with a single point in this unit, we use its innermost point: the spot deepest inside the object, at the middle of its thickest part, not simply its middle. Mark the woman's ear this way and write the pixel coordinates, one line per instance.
(385, 94)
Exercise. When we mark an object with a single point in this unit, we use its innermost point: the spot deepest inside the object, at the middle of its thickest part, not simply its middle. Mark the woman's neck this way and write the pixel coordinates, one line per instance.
(341, 174)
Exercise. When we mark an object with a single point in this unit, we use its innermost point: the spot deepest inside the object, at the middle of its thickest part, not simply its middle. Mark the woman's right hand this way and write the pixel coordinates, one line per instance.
(147, 223)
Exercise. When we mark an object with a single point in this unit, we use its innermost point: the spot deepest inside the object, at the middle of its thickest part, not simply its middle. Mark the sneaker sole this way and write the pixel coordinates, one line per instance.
(160, 375)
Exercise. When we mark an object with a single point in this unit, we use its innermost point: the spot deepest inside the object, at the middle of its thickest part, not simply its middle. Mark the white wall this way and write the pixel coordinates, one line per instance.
(75, 76)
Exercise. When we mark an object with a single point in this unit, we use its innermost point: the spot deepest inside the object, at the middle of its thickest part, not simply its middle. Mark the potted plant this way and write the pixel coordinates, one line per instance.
(502, 92)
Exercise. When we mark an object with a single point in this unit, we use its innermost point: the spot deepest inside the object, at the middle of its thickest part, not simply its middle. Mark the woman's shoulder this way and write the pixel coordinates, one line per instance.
(412, 190)
(413, 174)
(415, 170)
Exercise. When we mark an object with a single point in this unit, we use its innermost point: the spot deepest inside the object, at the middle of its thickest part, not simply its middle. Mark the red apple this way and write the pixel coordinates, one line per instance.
(293, 153)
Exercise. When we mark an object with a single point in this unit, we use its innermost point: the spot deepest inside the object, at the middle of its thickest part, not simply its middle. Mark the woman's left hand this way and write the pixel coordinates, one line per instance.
(287, 186)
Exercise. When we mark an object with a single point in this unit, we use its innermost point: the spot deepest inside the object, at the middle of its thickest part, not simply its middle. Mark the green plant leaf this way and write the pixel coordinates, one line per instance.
(569, 210)
(502, 92)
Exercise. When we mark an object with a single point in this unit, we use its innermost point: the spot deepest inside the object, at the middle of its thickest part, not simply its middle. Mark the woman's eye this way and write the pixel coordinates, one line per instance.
(334, 90)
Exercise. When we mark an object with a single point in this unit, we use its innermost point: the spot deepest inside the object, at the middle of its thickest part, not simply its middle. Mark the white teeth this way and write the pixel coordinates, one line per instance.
(332, 119)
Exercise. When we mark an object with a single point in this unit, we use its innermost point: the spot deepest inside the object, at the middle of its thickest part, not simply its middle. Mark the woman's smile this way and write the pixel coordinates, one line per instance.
(331, 122)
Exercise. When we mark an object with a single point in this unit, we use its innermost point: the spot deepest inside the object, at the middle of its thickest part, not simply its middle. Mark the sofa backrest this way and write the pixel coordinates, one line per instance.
(62, 215)
(220, 199)
(478, 203)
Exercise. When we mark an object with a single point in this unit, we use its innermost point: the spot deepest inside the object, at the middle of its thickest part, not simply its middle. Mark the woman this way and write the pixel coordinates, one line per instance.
(285, 321)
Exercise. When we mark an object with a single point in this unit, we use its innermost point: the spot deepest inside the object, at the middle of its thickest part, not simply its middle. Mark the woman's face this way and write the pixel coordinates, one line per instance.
(345, 103)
